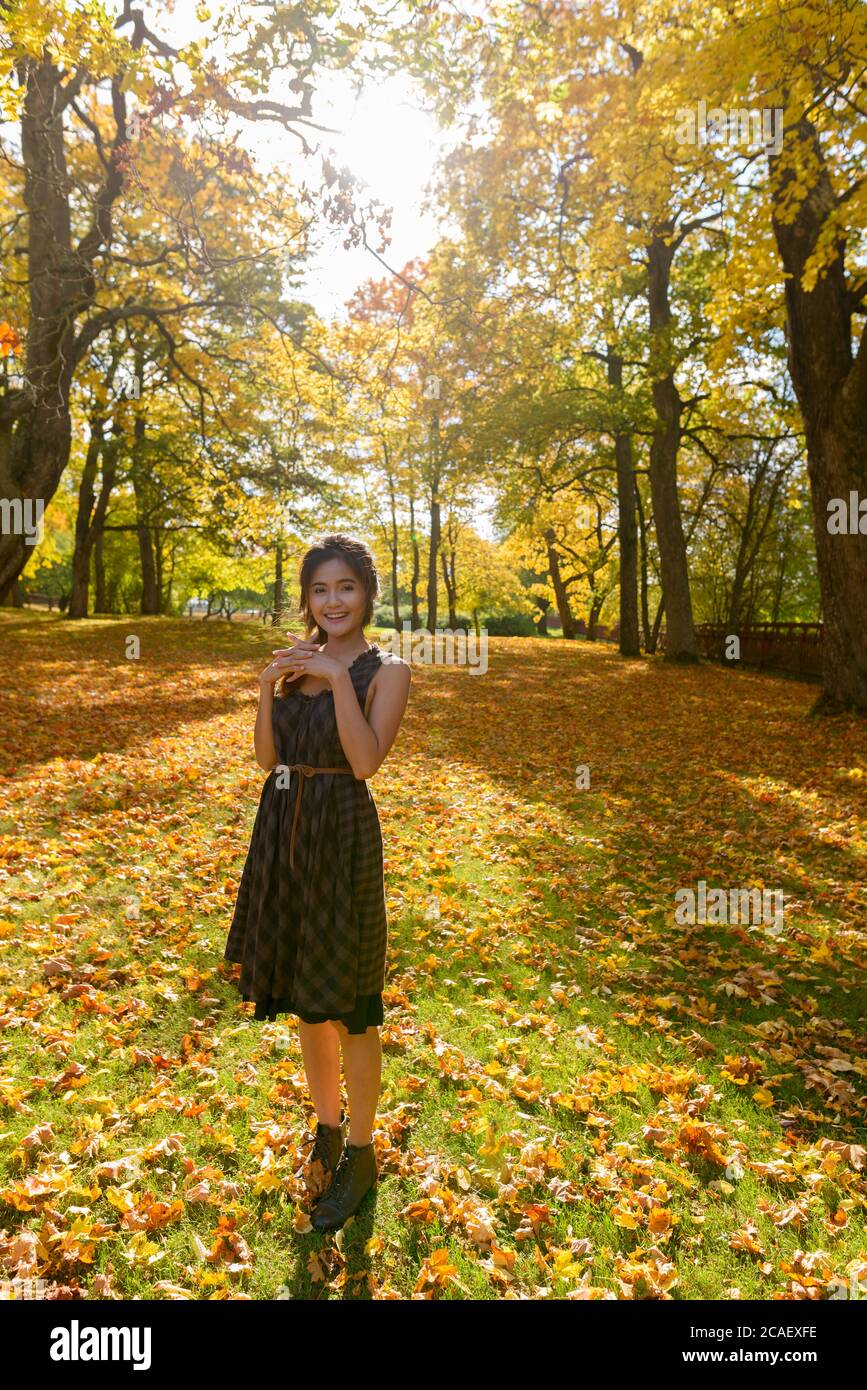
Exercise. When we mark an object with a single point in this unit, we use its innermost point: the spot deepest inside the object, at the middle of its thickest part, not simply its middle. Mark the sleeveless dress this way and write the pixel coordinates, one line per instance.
(311, 940)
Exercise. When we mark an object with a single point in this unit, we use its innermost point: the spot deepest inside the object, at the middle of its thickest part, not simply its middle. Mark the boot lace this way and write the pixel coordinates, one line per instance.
(322, 1145)
(341, 1174)
(320, 1149)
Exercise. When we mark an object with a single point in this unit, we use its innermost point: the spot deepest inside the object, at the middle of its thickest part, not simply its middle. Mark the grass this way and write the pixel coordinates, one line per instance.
(581, 1098)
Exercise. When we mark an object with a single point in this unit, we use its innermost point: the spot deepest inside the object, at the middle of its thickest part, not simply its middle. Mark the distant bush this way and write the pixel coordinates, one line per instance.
(511, 625)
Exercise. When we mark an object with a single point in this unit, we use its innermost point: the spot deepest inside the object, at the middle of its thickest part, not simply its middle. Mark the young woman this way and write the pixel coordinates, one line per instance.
(309, 927)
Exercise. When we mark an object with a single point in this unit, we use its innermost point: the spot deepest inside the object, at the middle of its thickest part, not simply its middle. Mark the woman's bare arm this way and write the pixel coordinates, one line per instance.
(366, 741)
(263, 733)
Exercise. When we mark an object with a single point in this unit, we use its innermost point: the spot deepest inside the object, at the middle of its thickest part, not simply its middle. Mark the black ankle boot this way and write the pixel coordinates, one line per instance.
(325, 1155)
(356, 1174)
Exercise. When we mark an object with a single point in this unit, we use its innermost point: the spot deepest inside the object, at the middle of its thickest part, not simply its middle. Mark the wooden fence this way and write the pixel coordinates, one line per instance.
(792, 647)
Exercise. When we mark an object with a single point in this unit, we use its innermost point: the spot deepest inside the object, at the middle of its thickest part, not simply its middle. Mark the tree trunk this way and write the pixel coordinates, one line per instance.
(150, 594)
(89, 519)
(150, 604)
(157, 535)
(278, 585)
(657, 624)
(36, 449)
(166, 595)
(780, 579)
(433, 551)
(668, 407)
(627, 530)
(394, 547)
(448, 567)
(83, 536)
(560, 594)
(645, 598)
(416, 569)
(432, 593)
(35, 429)
(99, 605)
(593, 616)
(831, 386)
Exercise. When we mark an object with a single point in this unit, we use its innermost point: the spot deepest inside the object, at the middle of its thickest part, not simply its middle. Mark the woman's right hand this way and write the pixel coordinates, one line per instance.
(289, 661)
(280, 666)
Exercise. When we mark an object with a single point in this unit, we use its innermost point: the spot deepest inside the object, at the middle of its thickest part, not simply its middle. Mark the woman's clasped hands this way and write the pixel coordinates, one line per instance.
(296, 661)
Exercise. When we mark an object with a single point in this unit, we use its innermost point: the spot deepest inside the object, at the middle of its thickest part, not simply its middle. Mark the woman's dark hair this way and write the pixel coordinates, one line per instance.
(360, 560)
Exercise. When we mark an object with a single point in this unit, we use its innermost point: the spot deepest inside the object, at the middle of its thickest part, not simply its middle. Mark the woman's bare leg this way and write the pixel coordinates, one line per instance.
(320, 1048)
(362, 1067)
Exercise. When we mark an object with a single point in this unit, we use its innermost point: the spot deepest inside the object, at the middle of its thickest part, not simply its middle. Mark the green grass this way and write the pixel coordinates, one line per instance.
(507, 1151)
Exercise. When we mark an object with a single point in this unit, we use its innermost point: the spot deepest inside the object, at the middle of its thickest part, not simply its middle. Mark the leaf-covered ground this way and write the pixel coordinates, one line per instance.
(581, 1098)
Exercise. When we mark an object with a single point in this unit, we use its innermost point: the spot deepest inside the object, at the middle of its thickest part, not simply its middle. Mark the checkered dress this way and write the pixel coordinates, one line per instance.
(312, 940)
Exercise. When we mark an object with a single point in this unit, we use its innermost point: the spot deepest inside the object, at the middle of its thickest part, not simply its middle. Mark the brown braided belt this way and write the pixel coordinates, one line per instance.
(307, 771)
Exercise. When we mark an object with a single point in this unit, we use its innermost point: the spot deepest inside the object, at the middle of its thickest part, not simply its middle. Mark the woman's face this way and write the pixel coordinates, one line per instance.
(337, 598)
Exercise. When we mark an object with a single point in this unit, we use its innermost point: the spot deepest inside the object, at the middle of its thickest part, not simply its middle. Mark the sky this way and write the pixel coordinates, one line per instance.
(387, 139)
(384, 136)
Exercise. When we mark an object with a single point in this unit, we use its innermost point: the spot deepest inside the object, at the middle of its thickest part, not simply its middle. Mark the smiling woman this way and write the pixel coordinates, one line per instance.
(310, 929)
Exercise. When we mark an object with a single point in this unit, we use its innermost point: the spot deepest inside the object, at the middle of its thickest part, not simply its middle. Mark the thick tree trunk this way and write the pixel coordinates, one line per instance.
(831, 386)
(668, 407)
(36, 448)
(35, 429)
(627, 529)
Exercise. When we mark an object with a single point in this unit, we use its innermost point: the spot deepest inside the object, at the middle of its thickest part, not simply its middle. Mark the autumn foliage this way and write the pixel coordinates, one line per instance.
(581, 1098)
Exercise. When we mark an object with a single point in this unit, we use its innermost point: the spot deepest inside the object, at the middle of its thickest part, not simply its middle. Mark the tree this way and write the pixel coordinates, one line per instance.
(58, 61)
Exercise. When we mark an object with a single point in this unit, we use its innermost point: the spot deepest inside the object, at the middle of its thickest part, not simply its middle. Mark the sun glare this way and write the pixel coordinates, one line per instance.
(388, 143)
